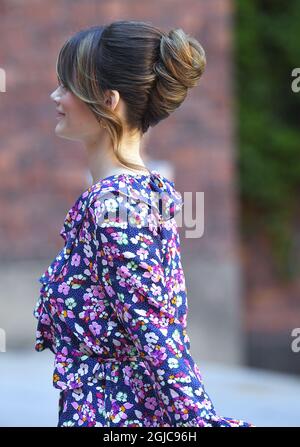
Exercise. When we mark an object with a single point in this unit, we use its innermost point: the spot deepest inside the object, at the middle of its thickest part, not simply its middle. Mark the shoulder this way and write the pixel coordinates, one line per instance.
(141, 200)
(122, 200)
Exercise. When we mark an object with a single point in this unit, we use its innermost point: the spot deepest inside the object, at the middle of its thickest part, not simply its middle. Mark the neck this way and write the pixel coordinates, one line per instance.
(102, 162)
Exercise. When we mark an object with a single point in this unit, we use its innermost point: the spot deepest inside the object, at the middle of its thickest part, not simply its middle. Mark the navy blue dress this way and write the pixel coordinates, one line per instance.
(113, 310)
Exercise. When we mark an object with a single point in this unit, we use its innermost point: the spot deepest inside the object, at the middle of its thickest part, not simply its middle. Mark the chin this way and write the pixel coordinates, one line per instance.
(59, 133)
(62, 133)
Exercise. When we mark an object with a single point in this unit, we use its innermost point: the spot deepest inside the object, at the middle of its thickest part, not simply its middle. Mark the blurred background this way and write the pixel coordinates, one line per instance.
(235, 138)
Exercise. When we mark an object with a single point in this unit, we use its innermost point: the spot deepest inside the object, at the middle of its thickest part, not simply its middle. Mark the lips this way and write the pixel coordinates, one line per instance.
(60, 115)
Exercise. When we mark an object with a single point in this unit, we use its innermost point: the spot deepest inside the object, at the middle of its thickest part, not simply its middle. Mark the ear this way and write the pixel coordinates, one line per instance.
(112, 98)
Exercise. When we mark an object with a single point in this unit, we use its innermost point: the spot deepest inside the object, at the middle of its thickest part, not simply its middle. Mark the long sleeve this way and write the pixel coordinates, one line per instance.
(140, 282)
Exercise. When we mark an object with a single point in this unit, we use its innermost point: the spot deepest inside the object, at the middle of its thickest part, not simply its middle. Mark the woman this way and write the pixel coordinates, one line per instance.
(113, 305)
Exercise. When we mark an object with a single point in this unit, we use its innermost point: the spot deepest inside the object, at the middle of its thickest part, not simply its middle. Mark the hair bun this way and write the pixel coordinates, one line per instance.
(181, 64)
(183, 57)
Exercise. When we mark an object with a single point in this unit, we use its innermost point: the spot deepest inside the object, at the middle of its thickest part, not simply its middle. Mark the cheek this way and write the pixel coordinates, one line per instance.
(77, 110)
(69, 104)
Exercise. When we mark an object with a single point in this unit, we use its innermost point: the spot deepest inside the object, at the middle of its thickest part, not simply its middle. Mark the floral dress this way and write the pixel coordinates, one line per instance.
(113, 310)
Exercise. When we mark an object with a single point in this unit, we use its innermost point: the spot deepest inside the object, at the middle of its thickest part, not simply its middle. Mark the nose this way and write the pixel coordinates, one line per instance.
(54, 95)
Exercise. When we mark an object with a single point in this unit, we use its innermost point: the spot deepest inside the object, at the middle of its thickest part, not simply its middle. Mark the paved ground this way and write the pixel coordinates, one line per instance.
(262, 397)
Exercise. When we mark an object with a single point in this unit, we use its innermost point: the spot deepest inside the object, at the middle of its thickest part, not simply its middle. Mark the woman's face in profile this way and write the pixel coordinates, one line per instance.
(75, 120)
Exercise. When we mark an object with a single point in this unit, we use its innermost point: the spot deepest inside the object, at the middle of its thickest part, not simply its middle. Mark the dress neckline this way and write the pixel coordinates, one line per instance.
(127, 174)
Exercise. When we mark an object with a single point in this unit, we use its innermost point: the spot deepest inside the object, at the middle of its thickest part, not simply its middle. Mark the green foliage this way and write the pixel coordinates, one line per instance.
(266, 51)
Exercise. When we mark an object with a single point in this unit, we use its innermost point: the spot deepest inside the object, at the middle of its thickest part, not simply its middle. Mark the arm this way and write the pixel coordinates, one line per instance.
(140, 287)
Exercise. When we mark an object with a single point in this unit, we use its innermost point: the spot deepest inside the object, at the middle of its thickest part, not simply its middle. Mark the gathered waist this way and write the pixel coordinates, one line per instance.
(119, 359)
(90, 371)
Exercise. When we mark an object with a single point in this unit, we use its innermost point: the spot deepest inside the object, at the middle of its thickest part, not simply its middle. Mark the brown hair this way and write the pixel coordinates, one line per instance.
(152, 71)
